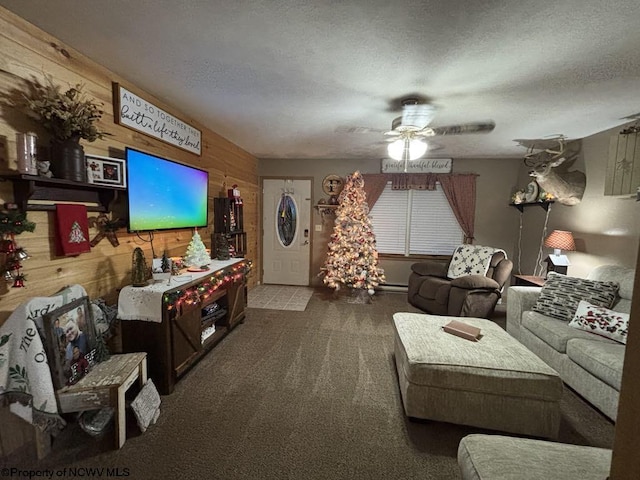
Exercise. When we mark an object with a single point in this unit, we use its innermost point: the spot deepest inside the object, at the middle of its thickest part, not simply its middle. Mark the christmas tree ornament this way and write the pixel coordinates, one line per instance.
(21, 254)
(13, 223)
(7, 246)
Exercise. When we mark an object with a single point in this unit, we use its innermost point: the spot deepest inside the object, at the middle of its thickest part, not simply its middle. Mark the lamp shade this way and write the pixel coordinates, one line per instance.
(415, 147)
(561, 240)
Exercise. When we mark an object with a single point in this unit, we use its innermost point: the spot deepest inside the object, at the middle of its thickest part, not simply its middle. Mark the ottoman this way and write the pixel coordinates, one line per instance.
(495, 383)
(497, 457)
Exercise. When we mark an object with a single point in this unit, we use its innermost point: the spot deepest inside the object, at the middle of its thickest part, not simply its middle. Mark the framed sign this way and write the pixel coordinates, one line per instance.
(106, 171)
(422, 165)
(138, 114)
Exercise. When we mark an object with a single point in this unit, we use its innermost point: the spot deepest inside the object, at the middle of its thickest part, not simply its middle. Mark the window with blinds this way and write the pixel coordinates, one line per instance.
(415, 222)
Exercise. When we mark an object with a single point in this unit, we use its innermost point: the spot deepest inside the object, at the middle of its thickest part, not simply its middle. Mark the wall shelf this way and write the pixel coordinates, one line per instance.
(49, 191)
(326, 209)
(521, 206)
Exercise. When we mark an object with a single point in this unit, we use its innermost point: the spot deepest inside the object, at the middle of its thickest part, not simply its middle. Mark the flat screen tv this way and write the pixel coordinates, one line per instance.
(164, 194)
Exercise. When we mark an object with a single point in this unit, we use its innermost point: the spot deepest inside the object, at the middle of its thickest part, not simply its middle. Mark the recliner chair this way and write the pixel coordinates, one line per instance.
(468, 296)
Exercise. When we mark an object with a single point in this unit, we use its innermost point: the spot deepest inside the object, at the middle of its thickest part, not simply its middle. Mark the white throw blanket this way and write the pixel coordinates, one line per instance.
(24, 370)
(471, 260)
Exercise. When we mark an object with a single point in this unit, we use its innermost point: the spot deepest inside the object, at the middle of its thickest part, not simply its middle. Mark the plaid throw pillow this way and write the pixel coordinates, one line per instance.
(561, 295)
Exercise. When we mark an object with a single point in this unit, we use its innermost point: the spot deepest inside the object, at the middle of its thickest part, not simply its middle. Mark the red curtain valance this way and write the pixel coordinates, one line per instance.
(459, 188)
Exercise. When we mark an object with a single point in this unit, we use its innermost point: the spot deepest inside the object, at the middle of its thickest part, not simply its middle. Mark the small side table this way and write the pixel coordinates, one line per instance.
(528, 281)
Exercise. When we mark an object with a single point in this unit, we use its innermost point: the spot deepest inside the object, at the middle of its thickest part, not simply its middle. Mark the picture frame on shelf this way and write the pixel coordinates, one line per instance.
(106, 171)
(70, 341)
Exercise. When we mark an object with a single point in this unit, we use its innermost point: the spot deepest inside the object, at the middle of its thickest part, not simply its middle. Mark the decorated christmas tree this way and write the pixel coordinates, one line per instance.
(352, 257)
(197, 255)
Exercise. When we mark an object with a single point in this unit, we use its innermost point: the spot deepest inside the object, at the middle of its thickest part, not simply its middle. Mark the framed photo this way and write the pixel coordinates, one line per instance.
(70, 342)
(106, 171)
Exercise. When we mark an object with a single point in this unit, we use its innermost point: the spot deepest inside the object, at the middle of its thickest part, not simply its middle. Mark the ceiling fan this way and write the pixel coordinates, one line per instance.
(410, 130)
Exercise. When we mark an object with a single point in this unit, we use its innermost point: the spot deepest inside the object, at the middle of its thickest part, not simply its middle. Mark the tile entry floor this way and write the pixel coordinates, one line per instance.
(279, 297)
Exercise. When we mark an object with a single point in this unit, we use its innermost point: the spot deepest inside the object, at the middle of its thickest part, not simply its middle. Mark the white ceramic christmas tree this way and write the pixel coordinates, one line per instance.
(197, 256)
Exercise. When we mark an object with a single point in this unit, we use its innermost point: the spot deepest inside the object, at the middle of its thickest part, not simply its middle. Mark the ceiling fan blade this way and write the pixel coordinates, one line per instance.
(480, 127)
(393, 133)
(418, 115)
(345, 129)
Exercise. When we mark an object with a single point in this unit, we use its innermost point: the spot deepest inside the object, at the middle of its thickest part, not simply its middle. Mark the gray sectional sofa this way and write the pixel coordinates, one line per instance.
(588, 363)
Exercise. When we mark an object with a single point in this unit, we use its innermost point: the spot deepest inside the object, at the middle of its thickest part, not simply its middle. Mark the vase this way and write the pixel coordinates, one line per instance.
(67, 160)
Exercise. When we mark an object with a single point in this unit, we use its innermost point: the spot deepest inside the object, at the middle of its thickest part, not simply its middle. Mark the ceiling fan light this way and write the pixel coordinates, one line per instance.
(417, 148)
(395, 149)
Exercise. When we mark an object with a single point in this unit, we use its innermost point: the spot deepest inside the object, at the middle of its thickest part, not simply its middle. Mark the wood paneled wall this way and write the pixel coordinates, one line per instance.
(26, 53)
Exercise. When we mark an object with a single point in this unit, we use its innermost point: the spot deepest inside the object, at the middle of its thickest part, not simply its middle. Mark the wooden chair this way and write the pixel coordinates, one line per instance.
(37, 324)
(105, 383)
(104, 386)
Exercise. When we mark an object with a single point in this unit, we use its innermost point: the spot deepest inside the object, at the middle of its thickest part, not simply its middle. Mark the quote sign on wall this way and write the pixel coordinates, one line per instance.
(138, 114)
(423, 165)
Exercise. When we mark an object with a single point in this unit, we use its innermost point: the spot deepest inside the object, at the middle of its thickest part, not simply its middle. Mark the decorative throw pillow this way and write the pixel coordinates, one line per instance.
(601, 321)
(561, 294)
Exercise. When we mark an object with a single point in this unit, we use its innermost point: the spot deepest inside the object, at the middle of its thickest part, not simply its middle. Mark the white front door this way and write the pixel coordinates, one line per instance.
(286, 248)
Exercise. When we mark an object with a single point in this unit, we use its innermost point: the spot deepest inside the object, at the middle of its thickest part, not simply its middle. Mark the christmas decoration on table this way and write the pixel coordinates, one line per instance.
(352, 257)
(234, 194)
(162, 268)
(106, 229)
(222, 246)
(140, 272)
(13, 223)
(219, 279)
(165, 263)
(72, 229)
(197, 259)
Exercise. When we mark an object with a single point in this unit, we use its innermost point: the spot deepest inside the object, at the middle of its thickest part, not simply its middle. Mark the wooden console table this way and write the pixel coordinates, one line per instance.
(179, 321)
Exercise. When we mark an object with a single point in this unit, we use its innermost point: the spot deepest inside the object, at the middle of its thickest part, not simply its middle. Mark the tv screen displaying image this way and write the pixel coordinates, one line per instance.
(164, 194)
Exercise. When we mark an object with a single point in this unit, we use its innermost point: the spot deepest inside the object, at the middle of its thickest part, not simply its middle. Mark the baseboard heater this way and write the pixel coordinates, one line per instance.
(393, 288)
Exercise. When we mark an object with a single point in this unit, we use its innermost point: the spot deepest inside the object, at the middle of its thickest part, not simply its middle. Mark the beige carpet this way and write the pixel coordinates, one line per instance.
(279, 297)
(297, 395)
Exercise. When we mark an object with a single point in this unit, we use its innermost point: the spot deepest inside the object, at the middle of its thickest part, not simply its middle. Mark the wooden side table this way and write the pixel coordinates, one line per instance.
(528, 281)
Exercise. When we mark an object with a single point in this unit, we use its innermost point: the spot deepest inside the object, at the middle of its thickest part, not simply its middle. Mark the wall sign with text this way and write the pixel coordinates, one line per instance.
(138, 114)
(422, 165)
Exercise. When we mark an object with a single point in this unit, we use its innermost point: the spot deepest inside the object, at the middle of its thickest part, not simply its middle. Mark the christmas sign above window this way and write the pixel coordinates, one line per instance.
(138, 114)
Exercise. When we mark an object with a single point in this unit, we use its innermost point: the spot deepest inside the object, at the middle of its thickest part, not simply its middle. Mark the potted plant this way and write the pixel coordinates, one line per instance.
(68, 116)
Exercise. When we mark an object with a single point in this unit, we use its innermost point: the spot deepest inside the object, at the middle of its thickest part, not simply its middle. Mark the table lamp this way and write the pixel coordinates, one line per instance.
(559, 240)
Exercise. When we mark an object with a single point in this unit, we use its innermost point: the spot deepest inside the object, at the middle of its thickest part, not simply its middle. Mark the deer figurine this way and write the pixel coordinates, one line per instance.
(567, 187)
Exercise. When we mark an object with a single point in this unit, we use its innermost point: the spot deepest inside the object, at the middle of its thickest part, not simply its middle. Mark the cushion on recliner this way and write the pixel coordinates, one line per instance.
(436, 289)
(475, 281)
(437, 269)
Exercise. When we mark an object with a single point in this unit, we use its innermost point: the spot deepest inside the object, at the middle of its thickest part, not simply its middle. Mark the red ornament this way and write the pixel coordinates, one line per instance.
(7, 246)
(18, 283)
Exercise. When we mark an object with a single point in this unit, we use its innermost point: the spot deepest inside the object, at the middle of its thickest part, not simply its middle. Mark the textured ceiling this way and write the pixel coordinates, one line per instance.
(323, 79)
